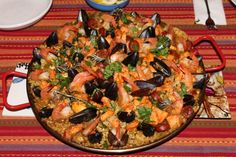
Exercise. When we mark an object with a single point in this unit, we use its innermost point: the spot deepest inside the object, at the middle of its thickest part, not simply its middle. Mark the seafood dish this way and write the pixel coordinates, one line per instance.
(115, 81)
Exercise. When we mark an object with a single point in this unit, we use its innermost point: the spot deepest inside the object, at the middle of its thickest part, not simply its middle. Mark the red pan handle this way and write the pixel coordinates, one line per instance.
(4, 91)
(217, 49)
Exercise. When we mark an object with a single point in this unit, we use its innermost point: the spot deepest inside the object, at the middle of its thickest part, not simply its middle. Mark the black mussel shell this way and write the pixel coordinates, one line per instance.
(159, 65)
(52, 39)
(188, 100)
(102, 43)
(147, 129)
(118, 47)
(89, 87)
(149, 32)
(134, 14)
(126, 116)
(72, 73)
(37, 91)
(111, 91)
(83, 16)
(103, 84)
(142, 92)
(97, 95)
(45, 112)
(144, 84)
(131, 59)
(67, 44)
(84, 115)
(156, 18)
(77, 57)
(93, 32)
(158, 80)
(36, 55)
(95, 137)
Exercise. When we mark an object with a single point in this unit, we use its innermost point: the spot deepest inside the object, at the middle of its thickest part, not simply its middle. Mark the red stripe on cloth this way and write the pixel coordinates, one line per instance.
(208, 133)
(22, 131)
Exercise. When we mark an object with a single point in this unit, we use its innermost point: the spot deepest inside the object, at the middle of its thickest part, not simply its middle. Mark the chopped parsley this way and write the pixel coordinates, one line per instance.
(144, 113)
(127, 87)
(111, 69)
(125, 19)
(162, 47)
(183, 90)
(131, 68)
(113, 105)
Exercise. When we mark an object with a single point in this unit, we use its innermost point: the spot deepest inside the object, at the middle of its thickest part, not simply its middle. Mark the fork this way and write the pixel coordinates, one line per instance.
(209, 22)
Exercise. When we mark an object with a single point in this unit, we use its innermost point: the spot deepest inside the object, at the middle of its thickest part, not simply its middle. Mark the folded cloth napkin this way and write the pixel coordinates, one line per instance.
(216, 11)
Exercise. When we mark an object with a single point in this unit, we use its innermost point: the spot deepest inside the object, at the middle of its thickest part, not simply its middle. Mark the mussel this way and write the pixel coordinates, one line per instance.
(147, 129)
(103, 84)
(102, 43)
(161, 66)
(119, 47)
(45, 112)
(77, 57)
(83, 16)
(111, 91)
(131, 59)
(156, 18)
(37, 91)
(158, 80)
(188, 100)
(72, 73)
(142, 92)
(36, 55)
(144, 84)
(126, 116)
(84, 115)
(149, 32)
(97, 95)
(52, 39)
(89, 87)
(118, 142)
(93, 32)
(95, 137)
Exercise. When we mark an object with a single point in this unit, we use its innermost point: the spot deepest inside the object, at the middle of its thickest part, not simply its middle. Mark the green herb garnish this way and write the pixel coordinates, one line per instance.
(183, 90)
(111, 69)
(162, 47)
(144, 113)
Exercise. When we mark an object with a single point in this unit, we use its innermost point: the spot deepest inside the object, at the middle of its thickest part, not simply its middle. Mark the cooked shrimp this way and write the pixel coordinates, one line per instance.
(80, 80)
(67, 33)
(61, 111)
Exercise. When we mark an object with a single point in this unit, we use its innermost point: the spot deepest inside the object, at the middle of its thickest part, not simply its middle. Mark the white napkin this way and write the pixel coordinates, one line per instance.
(216, 11)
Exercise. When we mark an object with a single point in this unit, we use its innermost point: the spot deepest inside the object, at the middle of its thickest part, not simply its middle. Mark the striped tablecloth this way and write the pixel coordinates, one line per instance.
(204, 137)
